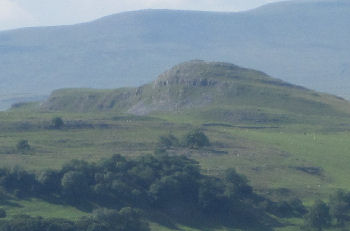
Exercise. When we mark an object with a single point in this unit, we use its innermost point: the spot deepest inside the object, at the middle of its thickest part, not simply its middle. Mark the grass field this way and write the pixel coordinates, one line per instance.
(287, 140)
(276, 159)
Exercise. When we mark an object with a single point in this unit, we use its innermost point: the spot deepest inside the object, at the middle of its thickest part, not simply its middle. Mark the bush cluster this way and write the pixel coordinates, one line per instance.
(149, 181)
(171, 184)
(194, 139)
(335, 212)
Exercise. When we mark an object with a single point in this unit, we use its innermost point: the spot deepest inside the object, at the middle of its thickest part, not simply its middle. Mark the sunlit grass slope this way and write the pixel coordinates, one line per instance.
(287, 140)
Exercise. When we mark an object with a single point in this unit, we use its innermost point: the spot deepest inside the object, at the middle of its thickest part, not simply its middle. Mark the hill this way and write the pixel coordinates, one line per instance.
(290, 142)
(303, 42)
(212, 91)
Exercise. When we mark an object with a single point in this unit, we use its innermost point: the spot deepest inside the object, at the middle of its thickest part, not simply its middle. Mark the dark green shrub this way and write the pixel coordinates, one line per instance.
(297, 207)
(339, 204)
(238, 184)
(17, 181)
(318, 216)
(127, 219)
(49, 181)
(2, 213)
(166, 142)
(57, 123)
(73, 184)
(196, 139)
(23, 145)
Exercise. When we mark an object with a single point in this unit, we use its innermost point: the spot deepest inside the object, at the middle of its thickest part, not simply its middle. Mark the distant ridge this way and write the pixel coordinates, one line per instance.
(302, 42)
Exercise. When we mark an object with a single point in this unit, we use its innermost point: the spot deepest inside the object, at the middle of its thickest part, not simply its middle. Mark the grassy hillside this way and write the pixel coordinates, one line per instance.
(209, 91)
(304, 160)
(263, 126)
(289, 141)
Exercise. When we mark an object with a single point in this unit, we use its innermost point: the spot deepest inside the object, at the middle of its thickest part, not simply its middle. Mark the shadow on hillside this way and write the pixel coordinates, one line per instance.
(84, 205)
(10, 204)
(6, 200)
(202, 222)
(174, 216)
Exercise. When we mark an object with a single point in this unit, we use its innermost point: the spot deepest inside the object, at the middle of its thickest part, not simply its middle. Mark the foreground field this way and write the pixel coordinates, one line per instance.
(280, 160)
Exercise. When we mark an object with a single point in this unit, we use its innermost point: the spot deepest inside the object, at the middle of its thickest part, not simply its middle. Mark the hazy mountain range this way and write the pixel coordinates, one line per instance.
(303, 42)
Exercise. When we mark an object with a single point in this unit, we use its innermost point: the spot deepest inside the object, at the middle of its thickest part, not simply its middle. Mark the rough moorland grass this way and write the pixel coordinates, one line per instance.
(328, 151)
(270, 157)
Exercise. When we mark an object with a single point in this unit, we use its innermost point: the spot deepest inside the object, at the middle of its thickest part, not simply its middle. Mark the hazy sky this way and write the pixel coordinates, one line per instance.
(21, 13)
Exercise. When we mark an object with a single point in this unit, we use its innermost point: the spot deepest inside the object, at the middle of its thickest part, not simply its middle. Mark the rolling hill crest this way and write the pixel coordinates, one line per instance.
(212, 89)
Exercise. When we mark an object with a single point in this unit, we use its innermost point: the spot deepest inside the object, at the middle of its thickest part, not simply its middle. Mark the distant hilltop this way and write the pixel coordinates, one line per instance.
(301, 42)
(214, 90)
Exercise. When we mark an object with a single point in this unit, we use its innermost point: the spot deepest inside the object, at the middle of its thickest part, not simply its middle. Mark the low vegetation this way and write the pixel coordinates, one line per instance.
(172, 185)
(57, 123)
(127, 219)
(23, 146)
(334, 214)
(194, 139)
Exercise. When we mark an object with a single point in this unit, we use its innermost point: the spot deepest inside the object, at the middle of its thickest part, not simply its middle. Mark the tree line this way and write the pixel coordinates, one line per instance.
(168, 183)
(325, 215)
